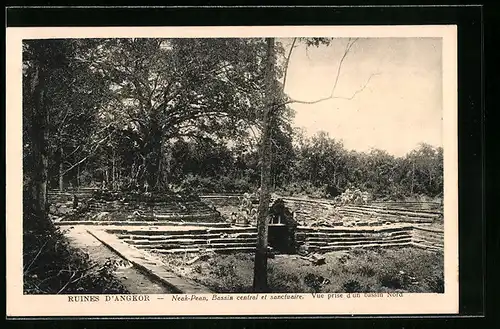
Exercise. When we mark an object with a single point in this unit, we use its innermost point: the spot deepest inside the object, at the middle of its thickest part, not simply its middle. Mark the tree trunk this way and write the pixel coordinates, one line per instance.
(162, 167)
(152, 154)
(61, 169)
(260, 266)
(106, 177)
(412, 177)
(78, 177)
(113, 170)
(38, 131)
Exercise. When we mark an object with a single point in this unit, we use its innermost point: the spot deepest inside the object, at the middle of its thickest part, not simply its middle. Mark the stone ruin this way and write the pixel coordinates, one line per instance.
(99, 205)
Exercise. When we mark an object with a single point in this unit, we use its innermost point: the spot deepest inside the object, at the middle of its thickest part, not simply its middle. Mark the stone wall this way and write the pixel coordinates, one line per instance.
(167, 240)
(324, 212)
(323, 239)
(192, 240)
(129, 208)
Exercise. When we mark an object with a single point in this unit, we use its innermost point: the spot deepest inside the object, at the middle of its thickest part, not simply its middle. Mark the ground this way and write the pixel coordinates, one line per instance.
(402, 270)
(132, 279)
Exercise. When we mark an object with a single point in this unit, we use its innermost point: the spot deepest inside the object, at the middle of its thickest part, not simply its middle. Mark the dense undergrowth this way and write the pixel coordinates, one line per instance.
(393, 270)
(196, 184)
(52, 266)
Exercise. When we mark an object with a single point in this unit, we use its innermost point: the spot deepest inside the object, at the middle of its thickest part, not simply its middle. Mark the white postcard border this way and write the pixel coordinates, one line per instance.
(55, 305)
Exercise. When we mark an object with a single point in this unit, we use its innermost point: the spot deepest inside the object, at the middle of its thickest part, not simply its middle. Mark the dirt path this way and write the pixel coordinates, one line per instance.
(133, 280)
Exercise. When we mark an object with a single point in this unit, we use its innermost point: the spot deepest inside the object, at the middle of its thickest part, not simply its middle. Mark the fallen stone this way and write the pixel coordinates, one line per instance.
(315, 259)
(101, 216)
(202, 257)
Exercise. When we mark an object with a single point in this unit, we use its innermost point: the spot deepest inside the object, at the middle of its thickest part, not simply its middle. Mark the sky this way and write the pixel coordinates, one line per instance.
(400, 107)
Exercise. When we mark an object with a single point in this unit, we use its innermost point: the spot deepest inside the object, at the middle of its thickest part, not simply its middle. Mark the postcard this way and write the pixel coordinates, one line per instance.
(179, 171)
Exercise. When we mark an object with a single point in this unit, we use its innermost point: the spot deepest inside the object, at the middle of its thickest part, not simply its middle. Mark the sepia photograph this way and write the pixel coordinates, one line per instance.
(220, 168)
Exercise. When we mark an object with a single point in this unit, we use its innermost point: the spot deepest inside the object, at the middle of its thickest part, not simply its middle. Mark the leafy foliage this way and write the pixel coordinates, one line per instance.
(186, 113)
(52, 266)
(152, 92)
(317, 167)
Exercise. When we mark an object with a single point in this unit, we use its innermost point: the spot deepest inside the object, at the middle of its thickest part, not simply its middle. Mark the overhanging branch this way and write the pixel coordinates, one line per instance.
(88, 156)
(332, 95)
(288, 61)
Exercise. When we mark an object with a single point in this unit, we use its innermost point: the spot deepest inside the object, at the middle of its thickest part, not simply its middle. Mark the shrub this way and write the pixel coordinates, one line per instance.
(353, 196)
(304, 188)
(52, 266)
(283, 281)
(222, 184)
(352, 286)
(392, 280)
(230, 274)
(436, 282)
(314, 281)
(240, 185)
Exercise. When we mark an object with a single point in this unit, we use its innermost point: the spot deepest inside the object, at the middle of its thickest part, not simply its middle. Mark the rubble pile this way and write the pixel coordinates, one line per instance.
(352, 197)
(115, 206)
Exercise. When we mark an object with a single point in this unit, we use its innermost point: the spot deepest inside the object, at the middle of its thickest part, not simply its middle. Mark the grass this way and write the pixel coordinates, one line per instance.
(393, 270)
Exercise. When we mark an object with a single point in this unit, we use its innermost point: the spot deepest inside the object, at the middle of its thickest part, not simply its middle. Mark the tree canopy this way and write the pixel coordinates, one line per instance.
(188, 112)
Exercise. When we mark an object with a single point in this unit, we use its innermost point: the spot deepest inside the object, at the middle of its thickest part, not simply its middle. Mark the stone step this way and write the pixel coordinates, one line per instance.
(428, 229)
(359, 229)
(386, 217)
(353, 234)
(138, 223)
(348, 243)
(399, 212)
(427, 242)
(164, 241)
(393, 208)
(333, 239)
(197, 250)
(152, 213)
(374, 211)
(428, 237)
(429, 234)
(367, 246)
(196, 246)
(360, 220)
(426, 246)
(356, 234)
(232, 240)
(194, 231)
(187, 241)
(187, 236)
(374, 241)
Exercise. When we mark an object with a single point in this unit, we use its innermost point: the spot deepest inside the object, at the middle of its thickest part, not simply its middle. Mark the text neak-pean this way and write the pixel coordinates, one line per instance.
(227, 297)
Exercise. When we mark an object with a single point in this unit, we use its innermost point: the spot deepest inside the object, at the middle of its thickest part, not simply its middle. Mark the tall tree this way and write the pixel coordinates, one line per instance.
(76, 95)
(260, 266)
(166, 89)
(40, 59)
(274, 101)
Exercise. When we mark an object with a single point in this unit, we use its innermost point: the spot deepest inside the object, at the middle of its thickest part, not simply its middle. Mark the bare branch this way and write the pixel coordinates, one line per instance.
(74, 151)
(61, 125)
(332, 97)
(346, 51)
(287, 61)
(35, 258)
(359, 90)
(67, 283)
(348, 47)
(88, 156)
